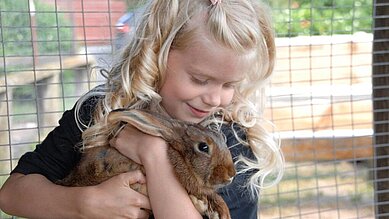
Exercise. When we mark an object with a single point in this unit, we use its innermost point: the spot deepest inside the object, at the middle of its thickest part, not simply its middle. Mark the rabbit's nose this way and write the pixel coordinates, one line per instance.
(230, 180)
(225, 182)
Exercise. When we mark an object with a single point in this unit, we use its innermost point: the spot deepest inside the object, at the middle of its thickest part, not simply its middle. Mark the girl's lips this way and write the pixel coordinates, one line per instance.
(198, 113)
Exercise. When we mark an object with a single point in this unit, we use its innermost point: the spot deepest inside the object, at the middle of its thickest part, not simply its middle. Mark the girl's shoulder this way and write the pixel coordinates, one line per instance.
(236, 139)
(233, 131)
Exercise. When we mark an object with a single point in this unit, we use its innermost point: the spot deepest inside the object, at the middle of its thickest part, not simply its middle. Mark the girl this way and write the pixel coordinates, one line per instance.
(205, 61)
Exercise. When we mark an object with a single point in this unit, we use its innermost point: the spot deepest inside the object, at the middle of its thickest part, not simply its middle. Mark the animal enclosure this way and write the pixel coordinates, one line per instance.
(326, 100)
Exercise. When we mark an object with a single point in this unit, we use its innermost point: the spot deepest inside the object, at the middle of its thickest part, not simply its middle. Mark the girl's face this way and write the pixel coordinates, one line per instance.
(200, 78)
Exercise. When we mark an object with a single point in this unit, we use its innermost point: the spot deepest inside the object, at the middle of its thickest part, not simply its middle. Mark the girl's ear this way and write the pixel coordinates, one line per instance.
(145, 121)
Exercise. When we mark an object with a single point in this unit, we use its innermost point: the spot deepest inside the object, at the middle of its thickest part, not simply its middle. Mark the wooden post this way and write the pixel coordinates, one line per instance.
(381, 106)
(34, 37)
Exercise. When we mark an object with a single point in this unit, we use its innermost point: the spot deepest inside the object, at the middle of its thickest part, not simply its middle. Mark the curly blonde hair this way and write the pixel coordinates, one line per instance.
(241, 25)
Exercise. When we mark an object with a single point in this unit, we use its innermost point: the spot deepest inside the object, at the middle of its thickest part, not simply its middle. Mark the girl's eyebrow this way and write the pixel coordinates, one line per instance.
(213, 78)
(195, 71)
(202, 75)
(237, 81)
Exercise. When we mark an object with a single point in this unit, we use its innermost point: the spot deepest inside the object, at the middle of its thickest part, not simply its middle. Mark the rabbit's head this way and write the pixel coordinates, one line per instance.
(195, 151)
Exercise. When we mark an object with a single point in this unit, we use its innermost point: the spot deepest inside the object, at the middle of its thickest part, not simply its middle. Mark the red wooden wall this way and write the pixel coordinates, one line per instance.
(93, 20)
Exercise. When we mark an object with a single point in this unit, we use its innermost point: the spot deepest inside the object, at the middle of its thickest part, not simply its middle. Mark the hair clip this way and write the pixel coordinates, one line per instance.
(214, 2)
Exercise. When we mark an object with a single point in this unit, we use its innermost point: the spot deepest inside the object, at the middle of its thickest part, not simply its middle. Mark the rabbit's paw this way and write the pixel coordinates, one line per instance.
(199, 204)
(141, 188)
(214, 215)
(218, 208)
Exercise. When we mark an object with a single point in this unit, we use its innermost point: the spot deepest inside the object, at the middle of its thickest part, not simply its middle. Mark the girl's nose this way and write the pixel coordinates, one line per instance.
(213, 97)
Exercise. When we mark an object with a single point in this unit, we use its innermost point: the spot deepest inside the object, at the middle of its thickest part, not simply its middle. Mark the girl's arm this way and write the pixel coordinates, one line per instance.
(168, 197)
(34, 196)
(29, 194)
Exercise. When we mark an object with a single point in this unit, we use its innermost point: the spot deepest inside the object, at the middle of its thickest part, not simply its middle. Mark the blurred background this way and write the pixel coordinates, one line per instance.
(328, 98)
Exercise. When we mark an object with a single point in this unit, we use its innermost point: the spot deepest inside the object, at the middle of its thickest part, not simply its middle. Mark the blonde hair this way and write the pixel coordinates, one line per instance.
(241, 25)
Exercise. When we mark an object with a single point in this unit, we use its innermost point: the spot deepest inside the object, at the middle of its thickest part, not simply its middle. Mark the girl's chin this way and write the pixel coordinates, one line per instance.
(193, 119)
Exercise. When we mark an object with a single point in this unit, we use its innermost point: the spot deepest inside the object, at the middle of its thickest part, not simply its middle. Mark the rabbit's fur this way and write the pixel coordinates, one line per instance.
(201, 159)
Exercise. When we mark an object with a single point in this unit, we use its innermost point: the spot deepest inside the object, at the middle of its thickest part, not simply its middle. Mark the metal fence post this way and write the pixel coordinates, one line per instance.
(381, 106)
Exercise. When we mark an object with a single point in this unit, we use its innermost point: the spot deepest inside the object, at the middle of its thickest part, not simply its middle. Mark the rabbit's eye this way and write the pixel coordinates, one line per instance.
(203, 147)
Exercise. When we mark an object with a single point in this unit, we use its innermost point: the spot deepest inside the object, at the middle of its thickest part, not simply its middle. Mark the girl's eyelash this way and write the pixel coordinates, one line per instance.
(198, 81)
(230, 85)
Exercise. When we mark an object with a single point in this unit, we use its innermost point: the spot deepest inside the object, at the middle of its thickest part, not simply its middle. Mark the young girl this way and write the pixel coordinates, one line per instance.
(205, 61)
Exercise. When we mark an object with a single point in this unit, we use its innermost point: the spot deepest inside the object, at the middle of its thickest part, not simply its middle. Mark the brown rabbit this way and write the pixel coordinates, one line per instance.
(201, 159)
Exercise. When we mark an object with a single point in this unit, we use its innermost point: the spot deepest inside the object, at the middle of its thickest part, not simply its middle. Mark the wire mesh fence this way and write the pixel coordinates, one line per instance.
(320, 99)
(321, 103)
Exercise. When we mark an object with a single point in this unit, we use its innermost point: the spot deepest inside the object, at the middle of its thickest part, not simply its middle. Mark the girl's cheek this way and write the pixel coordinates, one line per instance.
(227, 98)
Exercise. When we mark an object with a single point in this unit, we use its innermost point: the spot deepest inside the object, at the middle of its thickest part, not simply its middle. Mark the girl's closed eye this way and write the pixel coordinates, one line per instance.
(199, 81)
(230, 85)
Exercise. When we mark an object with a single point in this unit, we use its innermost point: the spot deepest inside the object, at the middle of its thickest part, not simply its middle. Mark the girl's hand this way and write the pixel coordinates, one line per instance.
(34, 196)
(164, 189)
(115, 199)
(137, 145)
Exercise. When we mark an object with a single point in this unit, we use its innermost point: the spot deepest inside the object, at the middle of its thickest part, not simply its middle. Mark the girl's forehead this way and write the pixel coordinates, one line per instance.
(206, 57)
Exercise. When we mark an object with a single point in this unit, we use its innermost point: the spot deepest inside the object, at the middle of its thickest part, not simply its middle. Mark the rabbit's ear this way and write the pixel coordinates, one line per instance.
(145, 121)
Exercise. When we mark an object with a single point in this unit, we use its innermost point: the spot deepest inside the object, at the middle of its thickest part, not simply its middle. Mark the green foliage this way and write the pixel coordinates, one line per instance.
(321, 17)
(52, 36)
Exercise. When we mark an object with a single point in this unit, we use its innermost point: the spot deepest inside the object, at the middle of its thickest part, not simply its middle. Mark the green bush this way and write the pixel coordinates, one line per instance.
(53, 33)
(321, 17)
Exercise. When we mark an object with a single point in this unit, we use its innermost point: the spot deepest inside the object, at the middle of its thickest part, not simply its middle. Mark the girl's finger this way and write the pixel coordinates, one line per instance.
(133, 177)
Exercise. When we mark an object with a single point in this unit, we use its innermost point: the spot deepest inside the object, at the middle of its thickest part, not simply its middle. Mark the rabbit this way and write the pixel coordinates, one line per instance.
(200, 158)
